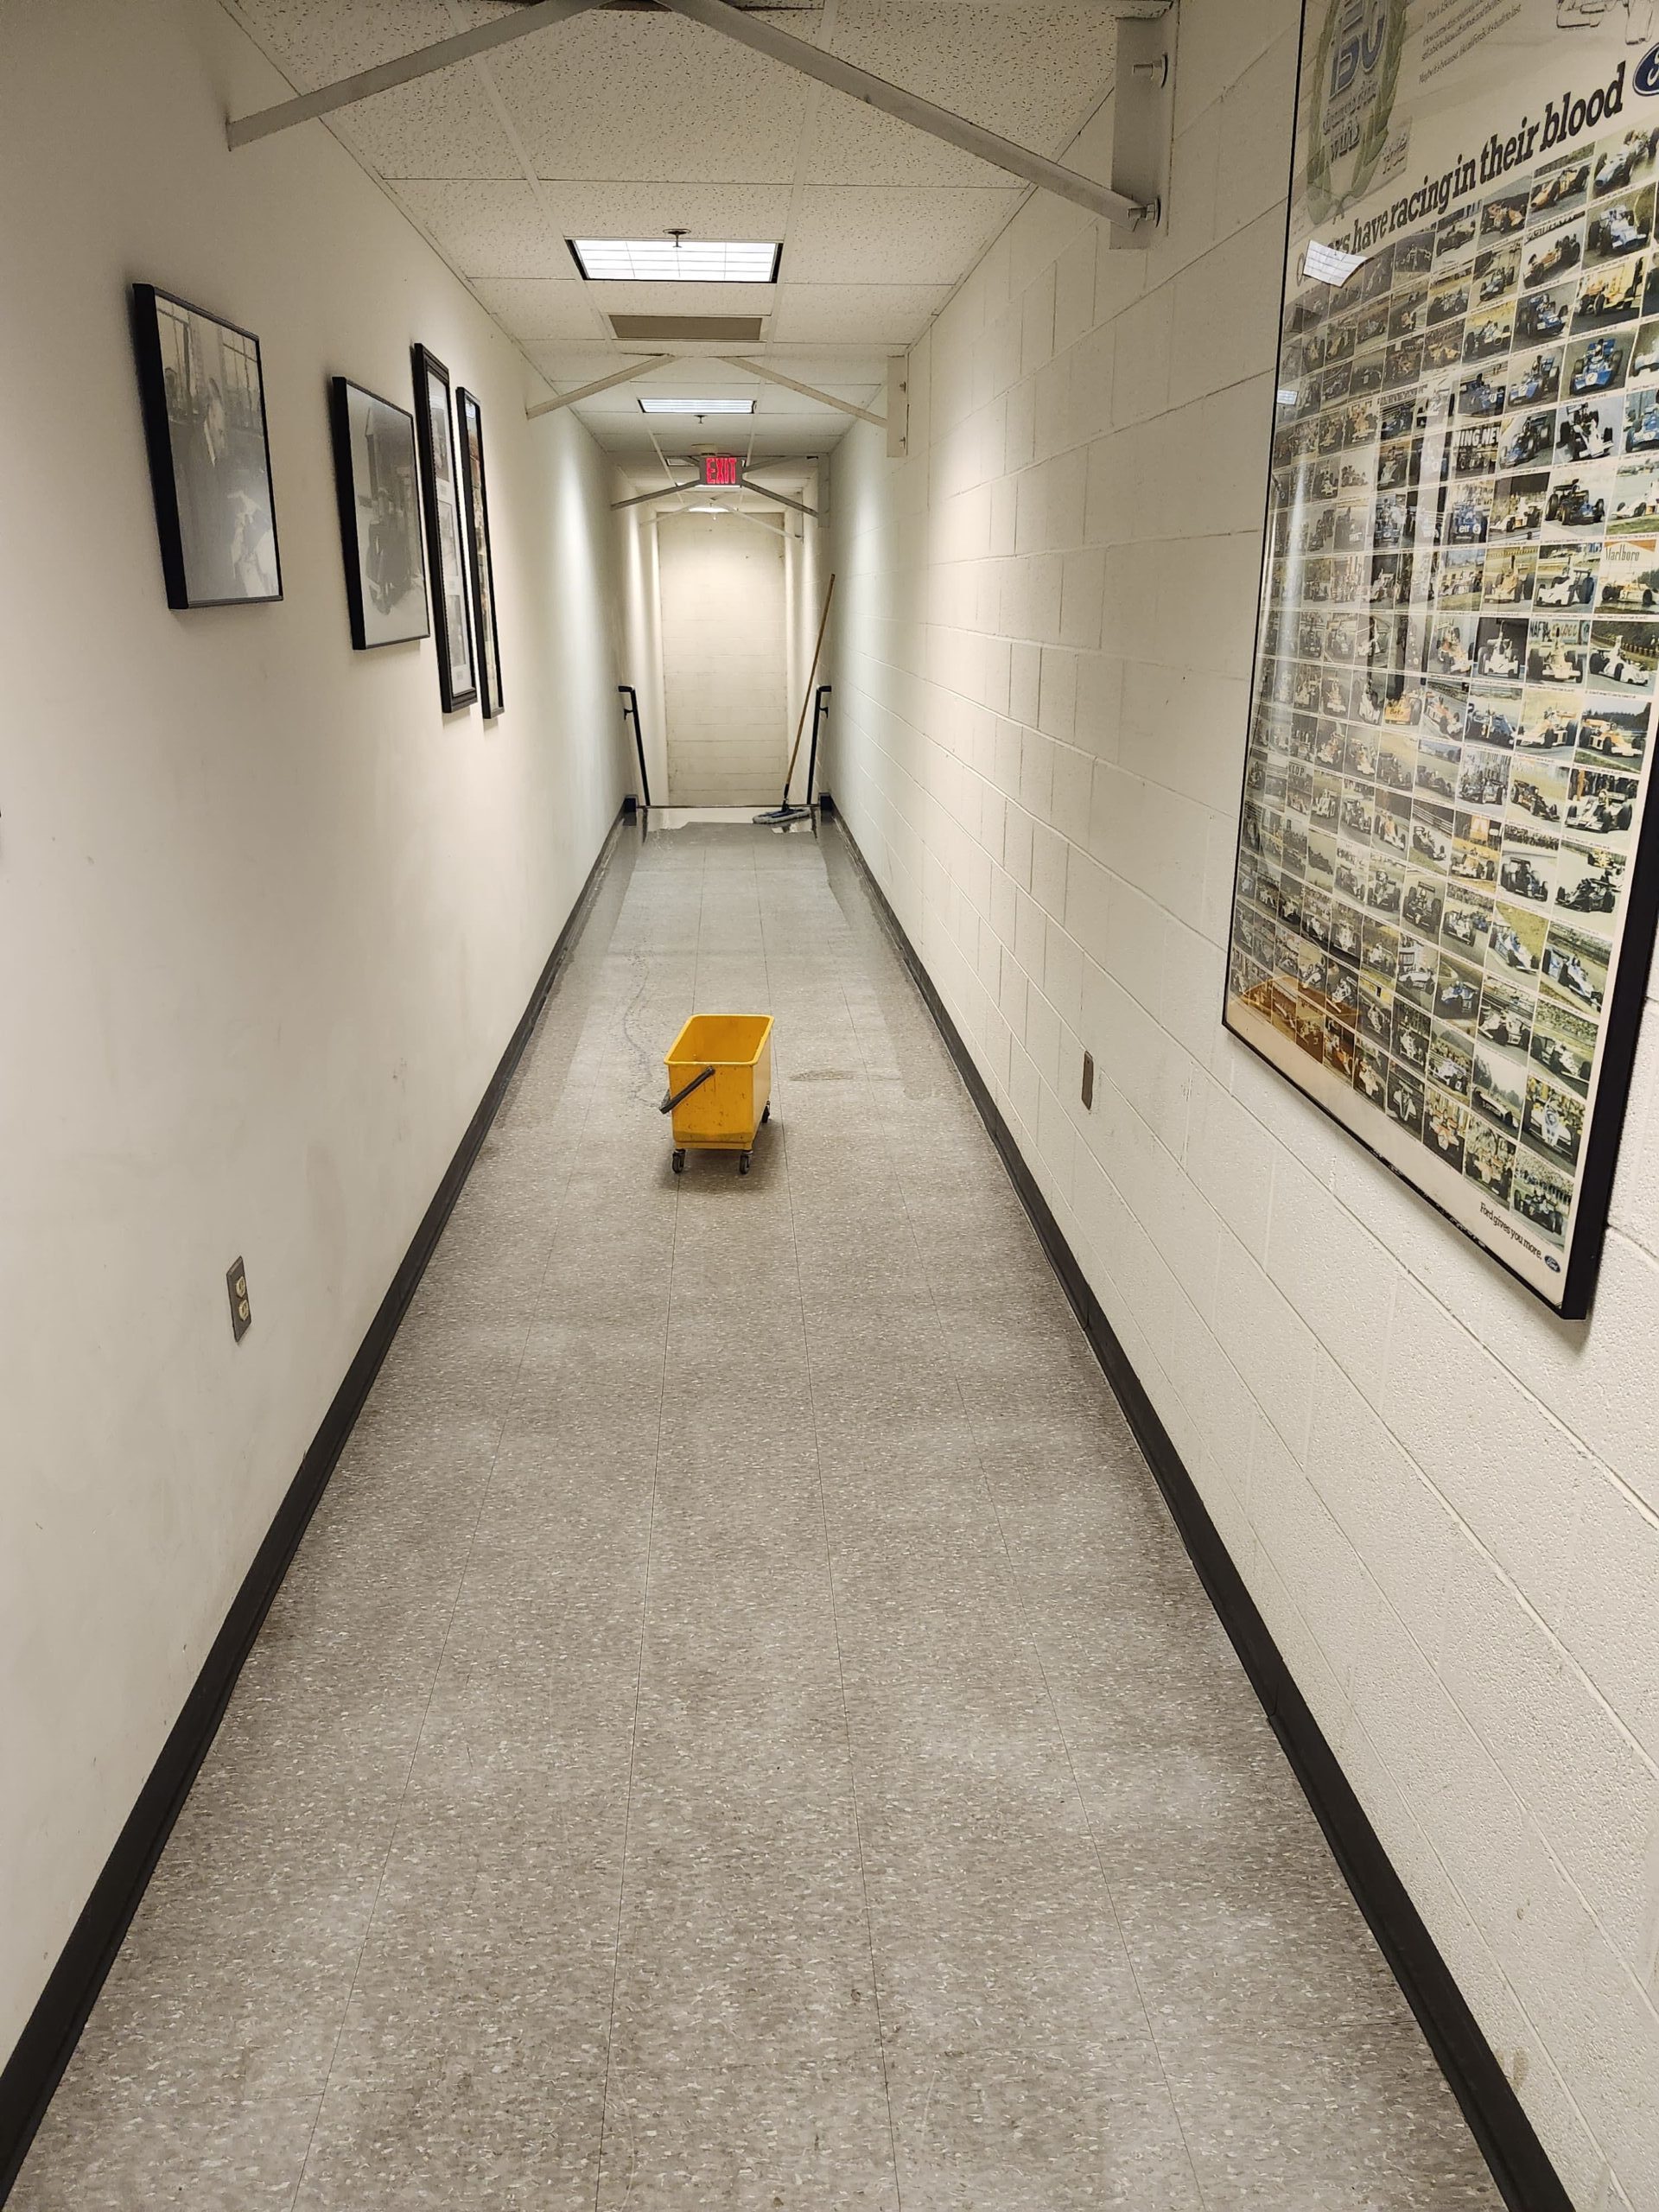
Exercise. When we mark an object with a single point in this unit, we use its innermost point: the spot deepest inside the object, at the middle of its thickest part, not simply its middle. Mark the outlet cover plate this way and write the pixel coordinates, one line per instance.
(236, 1283)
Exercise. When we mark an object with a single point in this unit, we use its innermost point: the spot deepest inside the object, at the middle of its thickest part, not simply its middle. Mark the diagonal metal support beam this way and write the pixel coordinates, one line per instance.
(766, 492)
(482, 39)
(806, 390)
(755, 31)
(600, 384)
(644, 499)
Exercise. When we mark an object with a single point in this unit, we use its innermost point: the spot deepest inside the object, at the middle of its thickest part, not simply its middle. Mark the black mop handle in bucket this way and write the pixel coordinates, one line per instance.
(671, 1098)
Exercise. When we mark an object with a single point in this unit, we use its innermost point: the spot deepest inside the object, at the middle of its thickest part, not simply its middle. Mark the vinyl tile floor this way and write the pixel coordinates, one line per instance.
(741, 1730)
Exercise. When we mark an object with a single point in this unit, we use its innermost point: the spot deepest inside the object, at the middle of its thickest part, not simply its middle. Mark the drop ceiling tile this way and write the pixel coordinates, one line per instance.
(886, 314)
(652, 96)
(318, 41)
(775, 406)
(845, 369)
(575, 363)
(646, 209)
(846, 234)
(770, 399)
(567, 365)
(440, 126)
(533, 310)
(489, 228)
(850, 144)
(610, 298)
(1031, 74)
(849, 370)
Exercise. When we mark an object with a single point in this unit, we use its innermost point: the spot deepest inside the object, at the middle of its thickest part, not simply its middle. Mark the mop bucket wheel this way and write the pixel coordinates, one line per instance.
(719, 1084)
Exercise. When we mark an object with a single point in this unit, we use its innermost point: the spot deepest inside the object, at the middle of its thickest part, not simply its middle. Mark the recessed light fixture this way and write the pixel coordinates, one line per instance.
(664, 404)
(678, 260)
(712, 507)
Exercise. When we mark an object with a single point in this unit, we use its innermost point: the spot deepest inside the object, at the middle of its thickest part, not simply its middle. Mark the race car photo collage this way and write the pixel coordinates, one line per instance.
(1455, 676)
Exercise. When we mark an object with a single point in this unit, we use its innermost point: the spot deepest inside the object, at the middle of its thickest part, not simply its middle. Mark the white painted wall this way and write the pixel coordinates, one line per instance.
(721, 580)
(267, 918)
(1445, 1502)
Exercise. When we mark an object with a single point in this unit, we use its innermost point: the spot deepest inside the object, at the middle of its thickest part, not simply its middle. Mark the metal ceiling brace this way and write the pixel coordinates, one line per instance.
(1143, 121)
(499, 31)
(766, 492)
(644, 499)
(750, 30)
(754, 31)
(602, 383)
(806, 390)
(898, 406)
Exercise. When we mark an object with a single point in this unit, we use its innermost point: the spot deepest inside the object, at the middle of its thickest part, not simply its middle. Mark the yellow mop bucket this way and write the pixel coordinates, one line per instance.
(719, 1085)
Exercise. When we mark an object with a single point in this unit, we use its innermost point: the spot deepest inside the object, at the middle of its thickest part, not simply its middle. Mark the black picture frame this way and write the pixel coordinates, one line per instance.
(434, 434)
(378, 484)
(475, 500)
(202, 391)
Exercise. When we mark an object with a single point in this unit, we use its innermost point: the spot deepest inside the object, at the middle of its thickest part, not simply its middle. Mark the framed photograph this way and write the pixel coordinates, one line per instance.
(378, 479)
(203, 395)
(1447, 874)
(441, 494)
(475, 496)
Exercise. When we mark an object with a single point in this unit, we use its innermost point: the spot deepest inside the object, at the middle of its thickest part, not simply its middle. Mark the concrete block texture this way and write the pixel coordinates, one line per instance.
(1445, 1502)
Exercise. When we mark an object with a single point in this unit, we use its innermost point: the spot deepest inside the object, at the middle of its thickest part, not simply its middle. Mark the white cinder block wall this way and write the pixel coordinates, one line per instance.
(1444, 1501)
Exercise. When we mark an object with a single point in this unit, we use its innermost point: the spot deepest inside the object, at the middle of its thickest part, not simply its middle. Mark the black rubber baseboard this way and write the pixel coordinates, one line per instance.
(1520, 2166)
(48, 2043)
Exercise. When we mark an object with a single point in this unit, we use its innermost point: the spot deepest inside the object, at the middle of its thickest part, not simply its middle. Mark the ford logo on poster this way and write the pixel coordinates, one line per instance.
(1646, 79)
(1356, 71)
(1357, 68)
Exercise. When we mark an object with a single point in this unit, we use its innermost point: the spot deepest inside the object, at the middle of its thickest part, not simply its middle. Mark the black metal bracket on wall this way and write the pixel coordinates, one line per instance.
(820, 707)
(631, 708)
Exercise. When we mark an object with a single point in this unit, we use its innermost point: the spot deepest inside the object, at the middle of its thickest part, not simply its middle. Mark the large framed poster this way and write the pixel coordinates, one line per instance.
(1447, 876)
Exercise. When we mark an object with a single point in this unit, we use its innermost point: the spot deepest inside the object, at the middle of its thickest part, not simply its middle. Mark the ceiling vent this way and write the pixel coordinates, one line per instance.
(723, 329)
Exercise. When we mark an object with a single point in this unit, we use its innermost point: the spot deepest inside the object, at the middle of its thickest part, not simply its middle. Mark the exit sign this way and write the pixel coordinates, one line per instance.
(720, 469)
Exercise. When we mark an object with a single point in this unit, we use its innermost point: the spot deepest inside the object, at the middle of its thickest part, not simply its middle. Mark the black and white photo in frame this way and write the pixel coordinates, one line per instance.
(201, 386)
(377, 479)
(469, 423)
(441, 494)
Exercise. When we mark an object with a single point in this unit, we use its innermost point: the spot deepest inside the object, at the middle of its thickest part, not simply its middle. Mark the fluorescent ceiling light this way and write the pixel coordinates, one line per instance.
(657, 404)
(678, 261)
(712, 508)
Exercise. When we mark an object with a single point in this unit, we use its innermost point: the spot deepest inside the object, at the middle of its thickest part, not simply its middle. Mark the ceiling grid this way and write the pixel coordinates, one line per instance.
(628, 122)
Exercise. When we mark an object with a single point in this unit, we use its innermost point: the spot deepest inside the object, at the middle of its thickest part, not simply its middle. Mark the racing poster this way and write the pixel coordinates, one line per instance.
(1445, 888)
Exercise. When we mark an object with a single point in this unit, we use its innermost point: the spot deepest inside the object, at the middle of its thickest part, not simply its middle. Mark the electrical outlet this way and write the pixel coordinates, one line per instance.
(1089, 1083)
(236, 1281)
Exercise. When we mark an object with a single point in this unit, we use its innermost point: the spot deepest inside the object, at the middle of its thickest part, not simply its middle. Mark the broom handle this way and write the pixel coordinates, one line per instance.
(800, 727)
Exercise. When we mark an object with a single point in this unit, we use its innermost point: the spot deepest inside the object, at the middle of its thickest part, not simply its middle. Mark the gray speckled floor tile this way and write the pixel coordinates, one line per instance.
(740, 1730)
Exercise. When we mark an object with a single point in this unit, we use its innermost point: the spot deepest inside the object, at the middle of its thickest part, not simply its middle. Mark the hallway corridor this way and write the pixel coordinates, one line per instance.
(741, 1730)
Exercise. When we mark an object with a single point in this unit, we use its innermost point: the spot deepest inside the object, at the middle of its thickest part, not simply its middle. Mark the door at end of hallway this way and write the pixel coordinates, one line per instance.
(723, 658)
